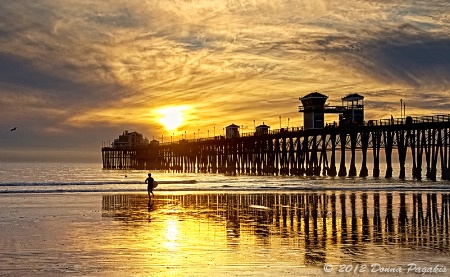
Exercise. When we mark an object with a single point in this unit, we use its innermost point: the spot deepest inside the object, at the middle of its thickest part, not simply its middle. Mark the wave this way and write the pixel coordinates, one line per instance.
(228, 184)
(236, 189)
(30, 191)
(90, 183)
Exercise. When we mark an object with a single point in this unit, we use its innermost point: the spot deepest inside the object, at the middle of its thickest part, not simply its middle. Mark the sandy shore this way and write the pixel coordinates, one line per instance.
(70, 234)
(201, 234)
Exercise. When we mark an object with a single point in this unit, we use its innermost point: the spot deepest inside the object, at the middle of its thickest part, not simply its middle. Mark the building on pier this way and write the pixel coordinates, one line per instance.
(129, 139)
(353, 112)
(154, 142)
(314, 110)
(232, 131)
(262, 129)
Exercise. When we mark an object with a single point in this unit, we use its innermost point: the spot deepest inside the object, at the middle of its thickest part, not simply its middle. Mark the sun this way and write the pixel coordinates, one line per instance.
(172, 117)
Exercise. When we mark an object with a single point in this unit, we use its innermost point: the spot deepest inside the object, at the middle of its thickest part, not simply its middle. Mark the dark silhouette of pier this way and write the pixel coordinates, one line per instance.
(329, 151)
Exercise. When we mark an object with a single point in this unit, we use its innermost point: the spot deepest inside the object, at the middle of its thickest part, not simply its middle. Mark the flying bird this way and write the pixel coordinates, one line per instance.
(13, 129)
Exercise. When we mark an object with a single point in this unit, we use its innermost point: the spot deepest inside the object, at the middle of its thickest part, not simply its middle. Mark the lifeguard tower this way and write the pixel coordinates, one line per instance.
(354, 110)
(313, 110)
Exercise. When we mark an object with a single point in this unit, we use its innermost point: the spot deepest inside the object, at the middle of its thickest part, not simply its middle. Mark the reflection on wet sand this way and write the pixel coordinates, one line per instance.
(321, 227)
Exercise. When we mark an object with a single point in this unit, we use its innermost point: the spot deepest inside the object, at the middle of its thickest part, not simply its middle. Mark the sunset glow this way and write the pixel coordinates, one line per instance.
(172, 117)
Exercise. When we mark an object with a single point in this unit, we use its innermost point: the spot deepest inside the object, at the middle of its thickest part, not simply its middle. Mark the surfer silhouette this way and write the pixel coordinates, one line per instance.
(149, 181)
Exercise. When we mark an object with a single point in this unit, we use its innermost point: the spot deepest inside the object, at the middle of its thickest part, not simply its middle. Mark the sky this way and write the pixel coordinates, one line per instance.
(75, 74)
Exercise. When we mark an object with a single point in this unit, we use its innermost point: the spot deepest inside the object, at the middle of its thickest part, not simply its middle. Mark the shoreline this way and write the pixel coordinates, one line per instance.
(231, 190)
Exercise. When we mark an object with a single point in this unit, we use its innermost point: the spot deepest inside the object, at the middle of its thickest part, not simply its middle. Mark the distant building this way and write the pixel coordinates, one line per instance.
(129, 139)
(232, 131)
(262, 130)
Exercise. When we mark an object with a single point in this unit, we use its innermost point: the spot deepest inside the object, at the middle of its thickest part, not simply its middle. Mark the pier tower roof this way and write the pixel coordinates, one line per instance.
(353, 97)
(314, 94)
(314, 99)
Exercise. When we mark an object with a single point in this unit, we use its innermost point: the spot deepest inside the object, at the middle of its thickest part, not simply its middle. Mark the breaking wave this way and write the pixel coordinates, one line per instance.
(88, 183)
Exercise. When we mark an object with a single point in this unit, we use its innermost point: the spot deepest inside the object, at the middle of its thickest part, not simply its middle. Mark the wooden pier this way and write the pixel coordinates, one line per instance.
(332, 151)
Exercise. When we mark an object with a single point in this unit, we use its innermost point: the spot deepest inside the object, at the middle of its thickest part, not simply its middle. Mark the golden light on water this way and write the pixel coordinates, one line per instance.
(171, 235)
(172, 117)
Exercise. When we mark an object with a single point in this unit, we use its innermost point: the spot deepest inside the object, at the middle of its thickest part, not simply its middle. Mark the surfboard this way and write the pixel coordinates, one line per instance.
(155, 184)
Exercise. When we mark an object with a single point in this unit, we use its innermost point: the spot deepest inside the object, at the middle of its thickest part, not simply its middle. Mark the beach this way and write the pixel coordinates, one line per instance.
(224, 234)
(71, 235)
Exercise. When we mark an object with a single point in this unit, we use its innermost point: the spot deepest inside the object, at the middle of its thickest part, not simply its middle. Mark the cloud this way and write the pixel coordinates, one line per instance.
(20, 72)
(94, 68)
(411, 60)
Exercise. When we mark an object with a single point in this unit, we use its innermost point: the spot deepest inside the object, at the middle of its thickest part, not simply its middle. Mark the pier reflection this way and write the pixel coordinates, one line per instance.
(315, 224)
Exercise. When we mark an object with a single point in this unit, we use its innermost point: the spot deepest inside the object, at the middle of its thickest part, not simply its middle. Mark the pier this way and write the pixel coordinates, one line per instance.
(313, 150)
(328, 151)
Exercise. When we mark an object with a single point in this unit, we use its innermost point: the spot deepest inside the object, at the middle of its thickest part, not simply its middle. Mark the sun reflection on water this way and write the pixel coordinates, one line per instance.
(171, 235)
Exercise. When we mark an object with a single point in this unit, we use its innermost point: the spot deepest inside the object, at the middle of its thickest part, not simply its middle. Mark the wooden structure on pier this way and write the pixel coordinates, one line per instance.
(424, 140)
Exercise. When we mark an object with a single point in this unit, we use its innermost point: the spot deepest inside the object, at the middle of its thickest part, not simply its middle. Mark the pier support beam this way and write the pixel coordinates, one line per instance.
(436, 146)
(388, 140)
(427, 154)
(364, 172)
(342, 168)
(421, 146)
(412, 139)
(332, 170)
(308, 163)
(314, 161)
(323, 161)
(300, 157)
(402, 146)
(352, 171)
(376, 145)
(446, 156)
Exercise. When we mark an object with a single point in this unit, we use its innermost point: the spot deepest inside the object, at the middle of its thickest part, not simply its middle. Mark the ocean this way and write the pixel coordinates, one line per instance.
(90, 177)
(78, 219)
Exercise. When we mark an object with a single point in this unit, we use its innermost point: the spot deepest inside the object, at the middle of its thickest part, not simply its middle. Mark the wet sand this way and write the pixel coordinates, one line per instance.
(224, 234)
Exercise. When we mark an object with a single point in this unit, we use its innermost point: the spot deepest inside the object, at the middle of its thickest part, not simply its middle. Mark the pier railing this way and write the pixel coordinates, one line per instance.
(370, 123)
